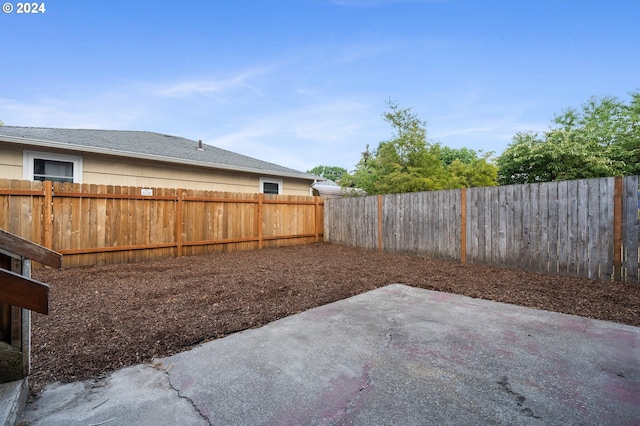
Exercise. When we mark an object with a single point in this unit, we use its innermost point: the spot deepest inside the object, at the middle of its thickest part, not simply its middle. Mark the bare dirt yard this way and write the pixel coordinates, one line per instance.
(106, 317)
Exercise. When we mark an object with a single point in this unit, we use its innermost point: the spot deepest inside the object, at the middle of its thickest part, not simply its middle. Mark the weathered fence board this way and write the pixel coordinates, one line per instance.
(359, 230)
(416, 223)
(556, 227)
(100, 224)
(630, 228)
(563, 250)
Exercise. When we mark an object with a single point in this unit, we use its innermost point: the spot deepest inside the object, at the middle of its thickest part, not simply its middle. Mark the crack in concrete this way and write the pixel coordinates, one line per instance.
(354, 401)
(366, 373)
(160, 367)
(586, 326)
(394, 329)
(520, 399)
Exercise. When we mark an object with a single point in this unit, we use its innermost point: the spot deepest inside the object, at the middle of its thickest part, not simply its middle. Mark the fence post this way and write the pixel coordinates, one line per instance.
(617, 229)
(463, 226)
(179, 207)
(316, 225)
(47, 214)
(259, 219)
(380, 248)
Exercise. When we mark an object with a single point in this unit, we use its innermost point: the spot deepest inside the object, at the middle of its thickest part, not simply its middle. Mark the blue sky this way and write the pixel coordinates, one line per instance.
(303, 83)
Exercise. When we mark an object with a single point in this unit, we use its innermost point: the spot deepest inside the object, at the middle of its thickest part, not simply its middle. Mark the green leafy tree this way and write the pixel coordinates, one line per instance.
(409, 163)
(478, 172)
(469, 168)
(449, 155)
(601, 139)
(333, 173)
(405, 163)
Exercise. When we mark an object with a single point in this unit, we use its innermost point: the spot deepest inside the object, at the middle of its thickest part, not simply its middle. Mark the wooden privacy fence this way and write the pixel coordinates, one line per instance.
(100, 224)
(586, 228)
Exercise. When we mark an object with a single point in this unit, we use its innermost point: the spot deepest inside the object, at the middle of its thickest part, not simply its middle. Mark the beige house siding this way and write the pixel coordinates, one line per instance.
(10, 162)
(112, 170)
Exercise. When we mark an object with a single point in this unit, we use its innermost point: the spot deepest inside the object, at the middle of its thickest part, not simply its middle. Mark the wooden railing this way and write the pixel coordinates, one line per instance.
(20, 294)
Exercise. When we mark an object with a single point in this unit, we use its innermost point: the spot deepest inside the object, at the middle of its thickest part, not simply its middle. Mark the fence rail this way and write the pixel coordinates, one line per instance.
(100, 224)
(586, 228)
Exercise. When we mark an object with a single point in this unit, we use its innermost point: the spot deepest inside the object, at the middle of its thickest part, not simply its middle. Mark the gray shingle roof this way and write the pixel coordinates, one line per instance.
(145, 145)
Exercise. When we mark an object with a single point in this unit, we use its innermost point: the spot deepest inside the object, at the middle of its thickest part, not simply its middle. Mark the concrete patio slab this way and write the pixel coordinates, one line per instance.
(13, 397)
(395, 355)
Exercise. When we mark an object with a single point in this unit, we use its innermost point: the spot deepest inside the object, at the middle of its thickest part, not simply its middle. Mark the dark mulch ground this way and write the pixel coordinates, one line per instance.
(107, 317)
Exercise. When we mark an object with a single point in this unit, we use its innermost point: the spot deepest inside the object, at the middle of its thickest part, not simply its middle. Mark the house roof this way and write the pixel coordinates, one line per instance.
(145, 145)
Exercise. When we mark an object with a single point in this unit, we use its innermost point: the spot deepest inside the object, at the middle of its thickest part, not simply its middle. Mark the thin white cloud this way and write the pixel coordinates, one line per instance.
(479, 119)
(359, 51)
(373, 3)
(211, 87)
(332, 133)
(257, 130)
(321, 122)
(507, 127)
(331, 122)
(89, 113)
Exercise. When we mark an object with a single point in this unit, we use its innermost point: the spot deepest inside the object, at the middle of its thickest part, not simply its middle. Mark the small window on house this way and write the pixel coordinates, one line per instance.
(53, 167)
(271, 186)
(56, 171)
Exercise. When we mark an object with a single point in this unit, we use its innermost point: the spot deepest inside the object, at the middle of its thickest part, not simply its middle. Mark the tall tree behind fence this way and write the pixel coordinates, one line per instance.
(586, 228)
(100, 224)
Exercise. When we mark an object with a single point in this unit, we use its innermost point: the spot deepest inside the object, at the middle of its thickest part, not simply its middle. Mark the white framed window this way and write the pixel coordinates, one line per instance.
(271, 186)
(49, 166)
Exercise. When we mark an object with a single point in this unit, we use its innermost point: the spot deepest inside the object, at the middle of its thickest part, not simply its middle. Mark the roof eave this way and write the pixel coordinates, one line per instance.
(128, 154)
